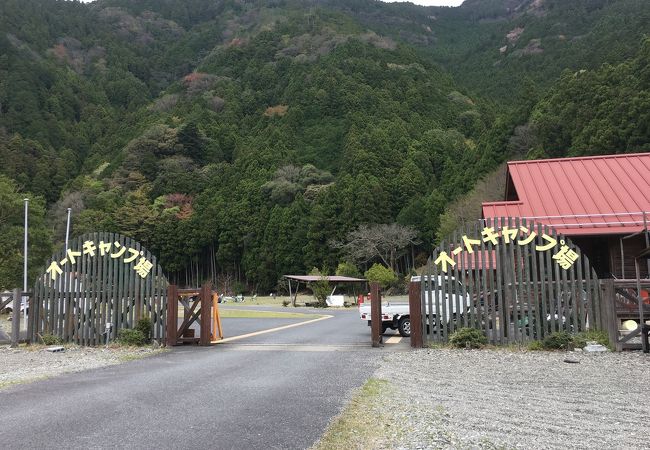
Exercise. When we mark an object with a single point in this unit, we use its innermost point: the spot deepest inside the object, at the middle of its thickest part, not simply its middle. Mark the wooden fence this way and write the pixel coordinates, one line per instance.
(626, 300)
(104, 278)
(517, 281)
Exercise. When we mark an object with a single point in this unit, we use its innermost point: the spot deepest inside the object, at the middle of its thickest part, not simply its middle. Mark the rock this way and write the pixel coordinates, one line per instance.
(55, 349)
(594, 347)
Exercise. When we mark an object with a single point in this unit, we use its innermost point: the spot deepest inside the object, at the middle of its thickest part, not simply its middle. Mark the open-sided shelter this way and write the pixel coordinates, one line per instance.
(306, 279)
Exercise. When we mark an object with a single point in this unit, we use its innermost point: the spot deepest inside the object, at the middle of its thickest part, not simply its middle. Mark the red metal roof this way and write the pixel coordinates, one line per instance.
(475, 260)
(578, 196)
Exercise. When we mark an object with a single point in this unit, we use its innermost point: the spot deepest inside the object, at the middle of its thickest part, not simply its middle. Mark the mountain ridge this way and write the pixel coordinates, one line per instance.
(238, 138)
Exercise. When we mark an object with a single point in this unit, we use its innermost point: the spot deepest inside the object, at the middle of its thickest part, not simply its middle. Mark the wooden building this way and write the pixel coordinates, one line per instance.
(601, 202)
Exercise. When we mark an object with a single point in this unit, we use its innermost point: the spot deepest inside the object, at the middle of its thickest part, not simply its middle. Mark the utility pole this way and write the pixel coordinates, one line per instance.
(25, 260)
(66, 278)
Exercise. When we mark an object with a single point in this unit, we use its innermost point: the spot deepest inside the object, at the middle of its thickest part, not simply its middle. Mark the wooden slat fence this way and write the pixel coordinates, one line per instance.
(506, 286)
(97, 289)
(621, 302)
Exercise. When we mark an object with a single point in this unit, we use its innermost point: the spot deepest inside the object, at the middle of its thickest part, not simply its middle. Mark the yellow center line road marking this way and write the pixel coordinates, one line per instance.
(393, 340)
(271, 330)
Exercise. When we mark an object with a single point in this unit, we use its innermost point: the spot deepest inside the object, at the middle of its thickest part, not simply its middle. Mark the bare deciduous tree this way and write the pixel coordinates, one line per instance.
(59, 212)
(387, 242)
(523, 140)
(468, 208)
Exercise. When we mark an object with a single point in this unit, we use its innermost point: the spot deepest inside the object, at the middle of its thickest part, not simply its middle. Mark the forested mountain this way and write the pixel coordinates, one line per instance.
(244, 139)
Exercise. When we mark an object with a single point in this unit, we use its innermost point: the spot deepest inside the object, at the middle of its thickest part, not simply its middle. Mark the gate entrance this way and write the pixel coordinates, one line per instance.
(104, 282)
(198, 306)
(513, 279)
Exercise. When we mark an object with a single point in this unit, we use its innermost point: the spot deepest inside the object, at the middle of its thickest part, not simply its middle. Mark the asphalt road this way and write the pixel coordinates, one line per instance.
(271, 390)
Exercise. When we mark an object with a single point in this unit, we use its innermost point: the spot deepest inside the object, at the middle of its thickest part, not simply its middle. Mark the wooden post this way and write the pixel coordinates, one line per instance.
(291, 293)
(415, 314)
(375, 314)
(15, 319)
(172, 315)
(206, 309)
(608, 314)
(645, 345)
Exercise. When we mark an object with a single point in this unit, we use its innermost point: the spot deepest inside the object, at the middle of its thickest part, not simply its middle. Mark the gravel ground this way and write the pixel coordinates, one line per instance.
(507, 399)
(34, 363)
(5, 325)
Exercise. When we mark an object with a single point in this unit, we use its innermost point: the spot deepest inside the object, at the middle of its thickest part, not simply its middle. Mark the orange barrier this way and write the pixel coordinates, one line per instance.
(216, 320)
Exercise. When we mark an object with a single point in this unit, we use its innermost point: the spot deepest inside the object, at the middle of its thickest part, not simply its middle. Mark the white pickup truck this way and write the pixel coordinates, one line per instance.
(393, 316)
(396, 315)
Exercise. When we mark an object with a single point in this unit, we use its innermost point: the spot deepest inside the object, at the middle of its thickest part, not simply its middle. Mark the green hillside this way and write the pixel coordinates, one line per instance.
(244, 140)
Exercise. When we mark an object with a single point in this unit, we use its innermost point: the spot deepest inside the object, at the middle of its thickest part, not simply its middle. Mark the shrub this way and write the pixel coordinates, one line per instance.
(558, 340)
(468, 338)
(131, 337)
(285, 303)
(238, 288)
(580, 340)
(347, 269)
(535, 346)
(321, 288)
(144, 326)
(381, 274)
(50, 339)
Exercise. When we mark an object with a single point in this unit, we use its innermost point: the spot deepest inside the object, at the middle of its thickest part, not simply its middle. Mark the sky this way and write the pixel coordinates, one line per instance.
(431, 2)
(417, 2)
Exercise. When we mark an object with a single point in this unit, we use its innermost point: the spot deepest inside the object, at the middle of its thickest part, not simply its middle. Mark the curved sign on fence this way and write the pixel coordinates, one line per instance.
(103, 281)
(514, 279)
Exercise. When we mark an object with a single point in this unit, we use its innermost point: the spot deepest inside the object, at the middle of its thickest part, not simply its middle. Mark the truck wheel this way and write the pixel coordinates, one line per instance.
(405, 326)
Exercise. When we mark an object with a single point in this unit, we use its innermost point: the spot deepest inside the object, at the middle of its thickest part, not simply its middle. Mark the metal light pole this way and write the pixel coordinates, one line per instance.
(67, 230)
(25, 258)
(66, 278)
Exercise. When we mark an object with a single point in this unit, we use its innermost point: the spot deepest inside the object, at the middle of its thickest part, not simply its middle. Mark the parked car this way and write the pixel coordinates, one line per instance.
(396, 316)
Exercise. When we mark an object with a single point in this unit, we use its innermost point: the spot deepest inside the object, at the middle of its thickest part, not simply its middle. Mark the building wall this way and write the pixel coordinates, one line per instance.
(604, 253)
(631, 247)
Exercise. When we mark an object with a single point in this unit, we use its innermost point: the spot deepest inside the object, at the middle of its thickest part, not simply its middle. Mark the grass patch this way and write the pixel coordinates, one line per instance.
(50, 339)
(580, 340)
(285, 300)
(535, 346)
(7, 384)
(134, 356)
(278, 300)
(437, 345)
(264, 301)
(254, 314)
(356, 427)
